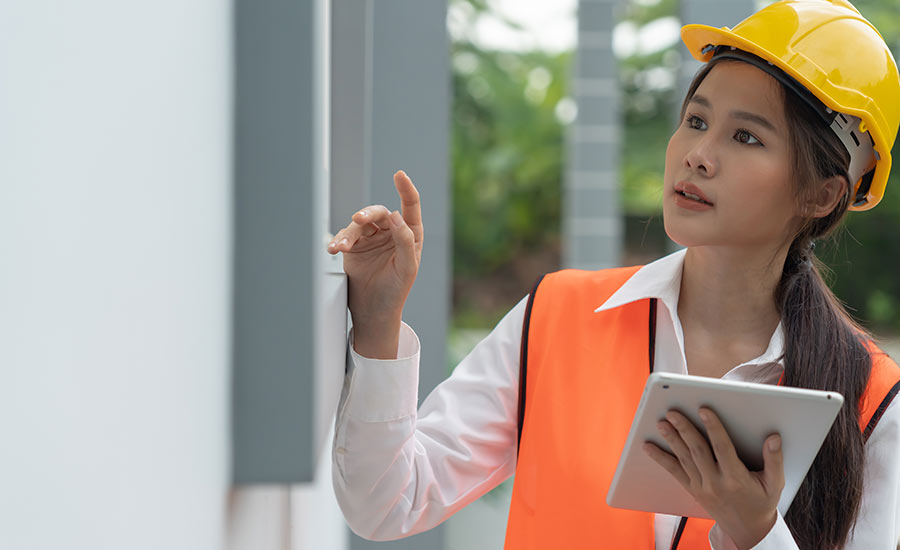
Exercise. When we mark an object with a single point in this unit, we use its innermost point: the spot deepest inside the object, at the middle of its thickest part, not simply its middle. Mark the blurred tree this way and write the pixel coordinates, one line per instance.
(508, 161)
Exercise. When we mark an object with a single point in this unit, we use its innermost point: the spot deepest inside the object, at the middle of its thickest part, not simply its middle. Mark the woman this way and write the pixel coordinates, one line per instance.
(768, 158)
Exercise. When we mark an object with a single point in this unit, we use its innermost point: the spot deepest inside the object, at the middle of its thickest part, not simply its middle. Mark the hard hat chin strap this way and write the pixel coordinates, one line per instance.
(848, 128)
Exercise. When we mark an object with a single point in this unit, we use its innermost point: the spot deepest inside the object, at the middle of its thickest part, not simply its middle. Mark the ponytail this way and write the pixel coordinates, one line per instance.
(824, 350)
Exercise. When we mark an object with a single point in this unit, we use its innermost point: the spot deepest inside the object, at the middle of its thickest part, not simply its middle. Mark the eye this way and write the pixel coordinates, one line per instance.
(695, 122)
(743, 136)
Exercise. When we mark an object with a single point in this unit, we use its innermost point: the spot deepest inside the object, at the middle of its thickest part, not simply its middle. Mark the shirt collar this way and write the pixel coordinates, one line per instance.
(661, 279)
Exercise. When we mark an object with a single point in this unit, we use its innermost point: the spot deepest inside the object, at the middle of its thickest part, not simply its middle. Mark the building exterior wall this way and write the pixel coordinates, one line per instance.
(118, 140)
(115, 190)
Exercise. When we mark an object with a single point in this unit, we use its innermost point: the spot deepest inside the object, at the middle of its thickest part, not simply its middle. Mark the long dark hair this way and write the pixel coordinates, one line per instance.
(824, 348)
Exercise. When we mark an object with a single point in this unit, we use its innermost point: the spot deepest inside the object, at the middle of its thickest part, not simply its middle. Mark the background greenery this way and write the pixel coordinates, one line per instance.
(508, 152)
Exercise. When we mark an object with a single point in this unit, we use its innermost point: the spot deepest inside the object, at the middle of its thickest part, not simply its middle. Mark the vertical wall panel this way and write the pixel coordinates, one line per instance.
(592, 221)
(290, 296)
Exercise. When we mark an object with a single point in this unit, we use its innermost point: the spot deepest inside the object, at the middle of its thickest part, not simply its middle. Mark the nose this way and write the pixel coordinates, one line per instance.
(701, 158)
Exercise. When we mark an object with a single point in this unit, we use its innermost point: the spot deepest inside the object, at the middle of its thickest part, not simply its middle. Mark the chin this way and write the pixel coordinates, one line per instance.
(685, 233)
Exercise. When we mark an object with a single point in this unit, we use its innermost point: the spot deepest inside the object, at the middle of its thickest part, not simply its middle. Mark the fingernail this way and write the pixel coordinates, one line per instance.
(363, 213)
(331, 244)
(663, 429)
(344, 241)
(704, 414)
(395, 219)
(774, 443)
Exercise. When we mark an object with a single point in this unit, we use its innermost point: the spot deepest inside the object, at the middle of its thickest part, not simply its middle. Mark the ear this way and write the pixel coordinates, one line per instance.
(826, 199)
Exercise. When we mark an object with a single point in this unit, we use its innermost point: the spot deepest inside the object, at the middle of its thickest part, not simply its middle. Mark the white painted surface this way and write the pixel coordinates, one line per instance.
(281, 517)
(316, 520)
(114, 292)
(258, 518)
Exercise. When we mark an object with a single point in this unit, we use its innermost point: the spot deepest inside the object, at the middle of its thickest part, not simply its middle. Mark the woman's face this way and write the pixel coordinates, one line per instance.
(728, 165)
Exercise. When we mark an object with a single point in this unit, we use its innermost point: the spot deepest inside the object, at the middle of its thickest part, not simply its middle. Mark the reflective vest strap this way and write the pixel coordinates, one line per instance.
(693, 534)
(523, 361)
(652, 332)
(882, 387)
(880, 411)
(678, 532)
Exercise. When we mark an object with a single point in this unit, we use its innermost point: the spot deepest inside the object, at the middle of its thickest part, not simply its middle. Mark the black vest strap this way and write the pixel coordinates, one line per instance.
(523, 355)
(679, 532)
(652, 333)
(879, 412)
(523, 363)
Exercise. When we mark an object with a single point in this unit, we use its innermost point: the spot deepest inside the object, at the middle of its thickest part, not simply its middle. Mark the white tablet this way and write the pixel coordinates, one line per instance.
(750, 412)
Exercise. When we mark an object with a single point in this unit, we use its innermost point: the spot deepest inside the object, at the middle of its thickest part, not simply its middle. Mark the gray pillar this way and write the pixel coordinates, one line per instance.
(593, 226)
(390, 111)
(289, 295)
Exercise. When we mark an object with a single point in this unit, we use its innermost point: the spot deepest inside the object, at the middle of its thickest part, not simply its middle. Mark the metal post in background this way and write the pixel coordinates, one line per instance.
(593, 226)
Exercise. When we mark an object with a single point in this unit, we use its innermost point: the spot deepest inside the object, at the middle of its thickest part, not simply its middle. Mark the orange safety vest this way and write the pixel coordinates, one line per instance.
(584, 378)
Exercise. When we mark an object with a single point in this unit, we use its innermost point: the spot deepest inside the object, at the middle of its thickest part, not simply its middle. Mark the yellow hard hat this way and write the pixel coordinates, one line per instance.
(838, 56)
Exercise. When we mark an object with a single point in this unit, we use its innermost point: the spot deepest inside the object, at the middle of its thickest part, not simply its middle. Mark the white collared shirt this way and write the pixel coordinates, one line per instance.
(398, 472)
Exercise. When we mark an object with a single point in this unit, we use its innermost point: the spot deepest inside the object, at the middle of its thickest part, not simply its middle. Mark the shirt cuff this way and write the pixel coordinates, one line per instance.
(384, 389)
(778, 538)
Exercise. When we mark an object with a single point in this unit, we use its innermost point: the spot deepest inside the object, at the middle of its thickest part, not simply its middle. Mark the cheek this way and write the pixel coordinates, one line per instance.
(766, 199)
(672, 161)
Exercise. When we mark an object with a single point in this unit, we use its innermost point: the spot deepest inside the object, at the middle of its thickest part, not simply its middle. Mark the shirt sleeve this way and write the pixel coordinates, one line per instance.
(878, 523)
(398, 472)
(779, 537)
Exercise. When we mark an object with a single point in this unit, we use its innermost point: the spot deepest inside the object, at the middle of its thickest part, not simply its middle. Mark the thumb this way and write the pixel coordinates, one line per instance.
(773, 460)
(405, 242)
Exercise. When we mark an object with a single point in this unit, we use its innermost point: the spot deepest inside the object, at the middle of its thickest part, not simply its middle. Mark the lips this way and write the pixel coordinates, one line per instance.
(690, 191)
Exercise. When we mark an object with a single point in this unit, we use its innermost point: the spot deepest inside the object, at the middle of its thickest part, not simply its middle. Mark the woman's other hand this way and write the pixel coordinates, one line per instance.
(743, 503)
(382, 250)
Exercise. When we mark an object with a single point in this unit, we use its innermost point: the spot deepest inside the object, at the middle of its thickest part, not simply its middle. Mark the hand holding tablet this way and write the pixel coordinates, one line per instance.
(743, 502)
(745, 413)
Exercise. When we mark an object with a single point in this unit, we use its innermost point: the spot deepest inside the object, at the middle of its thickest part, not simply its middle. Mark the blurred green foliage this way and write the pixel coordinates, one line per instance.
(508, 155)
(510, 112)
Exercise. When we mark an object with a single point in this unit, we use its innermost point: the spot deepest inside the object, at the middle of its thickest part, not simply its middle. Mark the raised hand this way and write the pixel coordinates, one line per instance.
(382, 251)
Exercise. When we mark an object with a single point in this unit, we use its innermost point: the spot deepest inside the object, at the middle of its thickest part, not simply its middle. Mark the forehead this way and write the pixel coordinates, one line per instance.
(732, 85)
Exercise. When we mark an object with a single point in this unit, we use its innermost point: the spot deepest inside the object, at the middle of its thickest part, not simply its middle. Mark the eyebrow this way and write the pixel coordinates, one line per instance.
(742, 115)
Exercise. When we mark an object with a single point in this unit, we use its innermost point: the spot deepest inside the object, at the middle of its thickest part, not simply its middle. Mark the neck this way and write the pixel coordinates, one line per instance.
(730, 292)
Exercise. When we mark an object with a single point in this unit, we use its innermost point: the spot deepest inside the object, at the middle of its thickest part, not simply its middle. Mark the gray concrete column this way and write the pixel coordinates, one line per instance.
(593, 227)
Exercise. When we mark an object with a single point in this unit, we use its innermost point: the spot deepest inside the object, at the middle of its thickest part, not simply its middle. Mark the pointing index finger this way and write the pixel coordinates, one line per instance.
(410, 206)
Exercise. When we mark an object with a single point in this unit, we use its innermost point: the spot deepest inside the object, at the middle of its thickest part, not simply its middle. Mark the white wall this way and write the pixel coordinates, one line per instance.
(114, 291)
